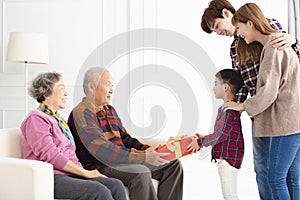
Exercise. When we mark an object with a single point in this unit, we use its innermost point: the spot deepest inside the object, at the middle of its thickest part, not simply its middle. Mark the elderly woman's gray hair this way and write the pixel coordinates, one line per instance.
(42, 85)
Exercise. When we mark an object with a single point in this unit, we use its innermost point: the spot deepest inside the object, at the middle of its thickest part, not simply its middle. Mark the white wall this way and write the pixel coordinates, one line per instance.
(77, 28)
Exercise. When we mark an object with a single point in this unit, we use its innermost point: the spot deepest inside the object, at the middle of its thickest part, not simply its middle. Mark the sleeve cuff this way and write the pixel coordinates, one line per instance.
(60, 162)
(249, 108)
(200, 142)
(137, 156)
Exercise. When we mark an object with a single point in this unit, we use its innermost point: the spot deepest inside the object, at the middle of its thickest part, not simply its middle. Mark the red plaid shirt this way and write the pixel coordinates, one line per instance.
(227, 139)
(249, 70)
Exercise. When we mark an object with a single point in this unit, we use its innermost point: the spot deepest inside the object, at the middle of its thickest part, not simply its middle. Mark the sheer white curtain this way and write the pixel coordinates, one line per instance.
(294, 17)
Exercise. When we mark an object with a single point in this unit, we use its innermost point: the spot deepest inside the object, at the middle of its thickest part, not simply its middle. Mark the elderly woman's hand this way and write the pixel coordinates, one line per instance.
(93, 174)
(73, 168)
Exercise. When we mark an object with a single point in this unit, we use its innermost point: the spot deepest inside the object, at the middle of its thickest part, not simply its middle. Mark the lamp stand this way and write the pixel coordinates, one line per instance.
(26, 88)
(28, 48)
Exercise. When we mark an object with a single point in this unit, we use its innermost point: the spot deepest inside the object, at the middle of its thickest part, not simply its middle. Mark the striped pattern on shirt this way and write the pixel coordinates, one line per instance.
(101, 138)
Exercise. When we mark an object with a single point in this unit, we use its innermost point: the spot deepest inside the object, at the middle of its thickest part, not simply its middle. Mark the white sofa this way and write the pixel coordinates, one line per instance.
(20, 178)
(28, 179)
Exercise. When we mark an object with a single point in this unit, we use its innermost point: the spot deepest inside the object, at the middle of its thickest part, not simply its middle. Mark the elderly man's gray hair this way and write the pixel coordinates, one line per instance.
(92, 75)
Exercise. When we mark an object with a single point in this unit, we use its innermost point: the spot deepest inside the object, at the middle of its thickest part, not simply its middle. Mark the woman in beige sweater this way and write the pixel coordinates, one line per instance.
(276, 105)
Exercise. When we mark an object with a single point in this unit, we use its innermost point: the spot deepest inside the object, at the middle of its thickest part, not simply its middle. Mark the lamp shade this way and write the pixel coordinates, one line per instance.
(27, 47)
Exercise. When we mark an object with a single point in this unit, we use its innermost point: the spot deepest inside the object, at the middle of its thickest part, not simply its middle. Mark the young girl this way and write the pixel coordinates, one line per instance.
(227, 139)
(276, 105)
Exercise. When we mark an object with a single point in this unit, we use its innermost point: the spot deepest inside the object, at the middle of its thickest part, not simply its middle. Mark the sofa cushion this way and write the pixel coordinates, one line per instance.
(10, 142)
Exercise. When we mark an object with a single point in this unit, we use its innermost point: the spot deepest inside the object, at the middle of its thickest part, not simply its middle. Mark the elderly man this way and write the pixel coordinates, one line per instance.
(103, 143)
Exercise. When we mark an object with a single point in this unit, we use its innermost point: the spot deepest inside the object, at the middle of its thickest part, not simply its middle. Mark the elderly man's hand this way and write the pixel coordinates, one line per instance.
(154, 158)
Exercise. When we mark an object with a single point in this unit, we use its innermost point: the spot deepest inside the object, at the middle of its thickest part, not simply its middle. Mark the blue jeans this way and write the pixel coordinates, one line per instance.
(261, 149)
(284, 167)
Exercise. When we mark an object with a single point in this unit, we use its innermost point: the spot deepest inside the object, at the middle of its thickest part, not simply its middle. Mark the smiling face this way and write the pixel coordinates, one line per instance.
(58, 98)
(245, 31)
(223, 26)
(103, 90)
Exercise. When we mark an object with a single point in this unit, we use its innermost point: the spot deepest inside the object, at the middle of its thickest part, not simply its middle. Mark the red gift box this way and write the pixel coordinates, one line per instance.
(176, 146)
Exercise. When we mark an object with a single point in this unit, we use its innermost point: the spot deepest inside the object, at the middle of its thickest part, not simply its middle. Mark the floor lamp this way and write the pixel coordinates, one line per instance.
(27, 48)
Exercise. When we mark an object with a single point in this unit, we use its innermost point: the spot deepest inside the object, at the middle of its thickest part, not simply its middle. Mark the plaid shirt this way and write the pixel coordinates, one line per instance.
(101, 138)
(227, 139)
(249, 70)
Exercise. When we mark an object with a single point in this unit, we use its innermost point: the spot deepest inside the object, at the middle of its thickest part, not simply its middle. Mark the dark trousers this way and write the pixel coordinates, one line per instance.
(138, 180)
(67, 187)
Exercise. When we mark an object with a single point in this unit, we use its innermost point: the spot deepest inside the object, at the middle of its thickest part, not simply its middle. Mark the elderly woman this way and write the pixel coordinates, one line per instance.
(47, 137)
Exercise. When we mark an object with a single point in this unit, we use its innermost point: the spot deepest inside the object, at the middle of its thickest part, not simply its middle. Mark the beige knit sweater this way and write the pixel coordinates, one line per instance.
(276, 105)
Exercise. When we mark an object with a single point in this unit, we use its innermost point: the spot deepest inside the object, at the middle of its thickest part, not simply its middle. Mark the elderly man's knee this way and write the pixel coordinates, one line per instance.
(177, 165)
(144, 175)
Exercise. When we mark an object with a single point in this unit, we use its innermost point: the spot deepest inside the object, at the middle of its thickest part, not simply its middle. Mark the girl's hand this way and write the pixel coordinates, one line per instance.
(193, 146)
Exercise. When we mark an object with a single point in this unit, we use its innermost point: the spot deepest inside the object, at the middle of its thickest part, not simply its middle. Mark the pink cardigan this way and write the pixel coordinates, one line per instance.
(42, 139)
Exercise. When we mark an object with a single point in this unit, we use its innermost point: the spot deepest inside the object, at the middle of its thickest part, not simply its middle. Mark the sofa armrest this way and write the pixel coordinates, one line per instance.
(26, 179)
